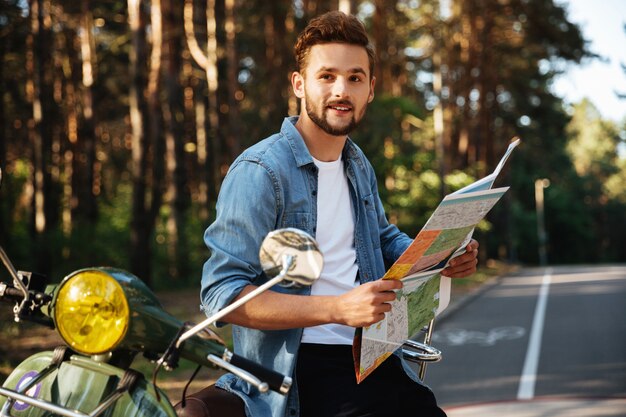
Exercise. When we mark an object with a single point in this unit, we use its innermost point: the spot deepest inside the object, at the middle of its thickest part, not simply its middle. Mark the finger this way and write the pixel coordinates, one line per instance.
(466, 257)
(383, 308)
(471, 246)
(387, 296)
(461, 263)
(388, 284)
(460, 271)
(381, 312)
(377, 318)
(382, 297)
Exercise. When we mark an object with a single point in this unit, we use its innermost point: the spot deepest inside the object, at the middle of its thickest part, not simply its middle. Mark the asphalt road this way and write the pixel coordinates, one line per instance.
(556, 333)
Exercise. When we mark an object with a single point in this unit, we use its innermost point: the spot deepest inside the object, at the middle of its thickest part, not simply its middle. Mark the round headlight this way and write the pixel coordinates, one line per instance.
(91, 312)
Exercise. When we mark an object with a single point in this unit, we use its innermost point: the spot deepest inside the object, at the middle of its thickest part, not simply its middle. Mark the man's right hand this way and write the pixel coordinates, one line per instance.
(362, 306)
(366, 304)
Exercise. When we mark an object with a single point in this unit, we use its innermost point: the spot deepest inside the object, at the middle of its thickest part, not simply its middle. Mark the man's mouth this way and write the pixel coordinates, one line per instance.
(340, 107)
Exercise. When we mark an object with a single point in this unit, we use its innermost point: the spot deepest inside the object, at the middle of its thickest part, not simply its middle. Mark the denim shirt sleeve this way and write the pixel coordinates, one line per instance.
(246, 211)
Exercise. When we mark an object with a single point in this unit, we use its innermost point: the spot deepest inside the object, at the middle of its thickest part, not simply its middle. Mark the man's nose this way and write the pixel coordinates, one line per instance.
(340, 87)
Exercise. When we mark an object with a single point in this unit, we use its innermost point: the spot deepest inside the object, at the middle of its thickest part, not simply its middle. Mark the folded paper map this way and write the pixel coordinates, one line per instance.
(426, 292)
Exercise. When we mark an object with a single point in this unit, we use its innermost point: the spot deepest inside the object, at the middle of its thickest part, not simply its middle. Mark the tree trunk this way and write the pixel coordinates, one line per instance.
(274, 33)
(157, 140)
(474, 151)
(3, 119)
(233, 131)
(87, 207)
(312, 8)
(206, 193)
(140, 224)
(465, 148)
(347, 6)
(4, 208)
(148, 150)
(40, 132)
(72, 156)
(205, 157)
(381, 40)
(173, 111)
(214, 141)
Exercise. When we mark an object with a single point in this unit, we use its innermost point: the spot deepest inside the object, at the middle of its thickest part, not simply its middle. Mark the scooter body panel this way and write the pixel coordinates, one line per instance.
(82, 384)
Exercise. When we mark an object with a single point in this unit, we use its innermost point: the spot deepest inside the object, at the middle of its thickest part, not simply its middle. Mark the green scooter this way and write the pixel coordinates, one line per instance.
(107, 317)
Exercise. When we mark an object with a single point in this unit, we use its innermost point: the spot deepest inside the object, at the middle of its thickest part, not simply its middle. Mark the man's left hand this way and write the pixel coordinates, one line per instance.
(463, 265)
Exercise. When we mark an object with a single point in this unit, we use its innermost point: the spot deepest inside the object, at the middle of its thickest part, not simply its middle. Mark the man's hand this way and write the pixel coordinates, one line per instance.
(463, 265)
(366, 304)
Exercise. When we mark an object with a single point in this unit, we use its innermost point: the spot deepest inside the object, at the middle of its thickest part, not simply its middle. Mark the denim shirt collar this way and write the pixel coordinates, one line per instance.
(301, 153)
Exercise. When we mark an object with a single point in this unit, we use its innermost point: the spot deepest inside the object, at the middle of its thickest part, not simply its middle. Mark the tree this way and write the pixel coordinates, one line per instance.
(176, 196)
(116, 132)
(593, 148)
(147, 150)
(39, 92)
(621, 94)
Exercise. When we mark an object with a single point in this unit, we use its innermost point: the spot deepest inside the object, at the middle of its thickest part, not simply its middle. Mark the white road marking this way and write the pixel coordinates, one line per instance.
(526, 389)
(460, 337)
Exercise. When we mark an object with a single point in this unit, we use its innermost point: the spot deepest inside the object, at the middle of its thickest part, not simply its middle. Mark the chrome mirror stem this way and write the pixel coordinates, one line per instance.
(288, 261)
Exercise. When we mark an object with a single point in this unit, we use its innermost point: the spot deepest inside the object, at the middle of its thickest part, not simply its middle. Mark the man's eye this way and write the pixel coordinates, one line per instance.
(326, 77)
(355, 79)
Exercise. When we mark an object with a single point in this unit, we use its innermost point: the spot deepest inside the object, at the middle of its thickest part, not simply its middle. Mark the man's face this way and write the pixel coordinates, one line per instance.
(336, 87)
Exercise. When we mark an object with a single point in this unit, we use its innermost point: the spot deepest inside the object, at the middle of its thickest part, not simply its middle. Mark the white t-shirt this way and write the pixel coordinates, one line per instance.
(335, 237)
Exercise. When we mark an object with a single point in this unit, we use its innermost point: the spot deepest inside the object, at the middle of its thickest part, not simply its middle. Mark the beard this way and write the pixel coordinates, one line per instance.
(319, 117)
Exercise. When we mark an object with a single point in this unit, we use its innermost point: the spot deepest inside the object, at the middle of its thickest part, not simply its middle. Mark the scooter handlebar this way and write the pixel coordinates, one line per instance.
(253, 373)
(276, 381)
(9, 293)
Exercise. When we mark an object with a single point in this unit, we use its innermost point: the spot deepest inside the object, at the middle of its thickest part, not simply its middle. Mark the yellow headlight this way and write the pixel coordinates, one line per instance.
(91, 312)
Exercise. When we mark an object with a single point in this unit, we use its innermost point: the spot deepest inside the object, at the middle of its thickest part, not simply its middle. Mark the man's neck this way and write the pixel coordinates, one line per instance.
(321, 145)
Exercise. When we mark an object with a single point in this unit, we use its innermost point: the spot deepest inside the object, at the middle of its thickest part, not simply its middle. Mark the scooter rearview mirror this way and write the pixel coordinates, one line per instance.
(289, 257)
(291, 245)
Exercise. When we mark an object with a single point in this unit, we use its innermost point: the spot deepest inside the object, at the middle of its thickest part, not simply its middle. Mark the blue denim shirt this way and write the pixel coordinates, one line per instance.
(272, 185)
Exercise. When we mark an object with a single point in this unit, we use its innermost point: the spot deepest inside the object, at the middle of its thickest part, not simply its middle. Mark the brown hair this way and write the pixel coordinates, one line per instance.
(332, 27)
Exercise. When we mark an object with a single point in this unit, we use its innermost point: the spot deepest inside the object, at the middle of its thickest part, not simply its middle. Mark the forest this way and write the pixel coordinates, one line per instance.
(118, 122)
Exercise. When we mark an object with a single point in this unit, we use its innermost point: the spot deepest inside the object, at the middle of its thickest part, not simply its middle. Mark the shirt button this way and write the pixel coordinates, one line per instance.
(314, 193)
(292, 412)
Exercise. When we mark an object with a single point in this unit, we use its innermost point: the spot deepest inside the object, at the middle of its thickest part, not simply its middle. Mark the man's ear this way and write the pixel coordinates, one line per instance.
(372, 84)
(297, 83)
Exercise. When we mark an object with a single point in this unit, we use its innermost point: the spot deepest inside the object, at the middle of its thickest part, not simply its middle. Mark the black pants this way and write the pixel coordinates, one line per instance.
(327, 387)
(211, 402)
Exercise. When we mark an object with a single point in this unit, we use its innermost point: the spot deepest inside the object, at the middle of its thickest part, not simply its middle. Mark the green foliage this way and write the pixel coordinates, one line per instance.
(593, 143)
(402, 158)
(169, 274)
(615, 185)
(401, 148)
(496, 84)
